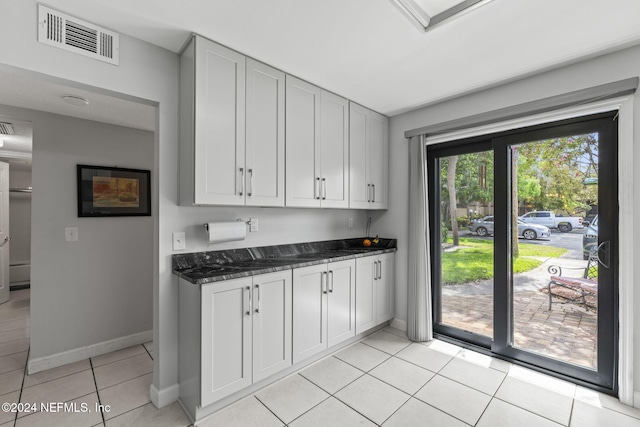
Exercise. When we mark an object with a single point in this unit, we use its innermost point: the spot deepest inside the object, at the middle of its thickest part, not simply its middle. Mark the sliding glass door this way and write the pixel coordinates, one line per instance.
(524, 236)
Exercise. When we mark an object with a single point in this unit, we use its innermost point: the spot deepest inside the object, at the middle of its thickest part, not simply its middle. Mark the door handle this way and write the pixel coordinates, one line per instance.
(259, 299)
(323, 281)
(242, 181)
(248, 312)
(6, 240)
(316, 190)
(605, 248)
(324, 189)
(250, 190)
(331, 288)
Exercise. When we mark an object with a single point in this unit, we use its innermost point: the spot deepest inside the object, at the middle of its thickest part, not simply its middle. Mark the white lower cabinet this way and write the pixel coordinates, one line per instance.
(246, 332)
(237, 332)
(323, 307)
(374, 291)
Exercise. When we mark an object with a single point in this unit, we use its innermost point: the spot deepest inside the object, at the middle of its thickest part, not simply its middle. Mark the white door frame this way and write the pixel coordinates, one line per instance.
(626, 204)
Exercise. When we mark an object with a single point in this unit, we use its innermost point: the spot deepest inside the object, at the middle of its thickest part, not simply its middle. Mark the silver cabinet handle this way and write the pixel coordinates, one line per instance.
(379, 269)
(323, 280)
(316, 190)
(248, 312)
(368, 192)
(242, 181)
(375, 270)
(373, 198)
(259, 299)
(331, 288)
(324, 189)
(250, 190)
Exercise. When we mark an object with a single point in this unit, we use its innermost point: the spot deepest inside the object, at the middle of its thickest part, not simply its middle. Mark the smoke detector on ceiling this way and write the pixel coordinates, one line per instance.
(75, 35)
(78, 101)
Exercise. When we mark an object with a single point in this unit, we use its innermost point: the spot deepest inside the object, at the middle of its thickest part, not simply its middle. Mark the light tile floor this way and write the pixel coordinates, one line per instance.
(382, 380)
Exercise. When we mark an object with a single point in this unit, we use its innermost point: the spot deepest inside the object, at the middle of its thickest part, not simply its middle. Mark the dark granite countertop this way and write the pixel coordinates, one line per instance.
(213, 266)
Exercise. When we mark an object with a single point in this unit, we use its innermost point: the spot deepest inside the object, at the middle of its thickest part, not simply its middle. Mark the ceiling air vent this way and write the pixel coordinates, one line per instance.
(75, 35)
(6, 129)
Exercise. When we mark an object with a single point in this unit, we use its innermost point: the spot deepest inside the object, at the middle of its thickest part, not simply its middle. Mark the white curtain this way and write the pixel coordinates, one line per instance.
(419, 316)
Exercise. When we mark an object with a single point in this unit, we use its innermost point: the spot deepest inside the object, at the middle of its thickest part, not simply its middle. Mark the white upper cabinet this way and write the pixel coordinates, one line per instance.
(265, 135)
(334, 151)
(369, 159)
(219, 163)
(317, 141)
(302, 133)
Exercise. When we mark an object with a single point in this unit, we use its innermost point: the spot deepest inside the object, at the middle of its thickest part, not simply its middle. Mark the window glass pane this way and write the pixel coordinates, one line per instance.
(549, 176)
(467, 250)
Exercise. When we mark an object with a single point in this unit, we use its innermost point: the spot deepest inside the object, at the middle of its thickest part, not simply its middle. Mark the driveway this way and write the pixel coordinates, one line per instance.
(571, 241)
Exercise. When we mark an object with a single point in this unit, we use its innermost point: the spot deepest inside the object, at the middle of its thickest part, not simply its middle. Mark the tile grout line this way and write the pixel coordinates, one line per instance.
(268, 409)
(95, 383)
(529, 411)
(147, 350)
(313, 407)
(15, 419)
(493, 396)
(437, 409)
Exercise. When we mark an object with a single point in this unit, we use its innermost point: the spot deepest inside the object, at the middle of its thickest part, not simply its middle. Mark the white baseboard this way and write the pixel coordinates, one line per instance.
(53, 361)
(164, 397)
(399, 324)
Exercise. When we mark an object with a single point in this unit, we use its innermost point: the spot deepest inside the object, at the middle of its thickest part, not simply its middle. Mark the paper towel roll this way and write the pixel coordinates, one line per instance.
(226, 231)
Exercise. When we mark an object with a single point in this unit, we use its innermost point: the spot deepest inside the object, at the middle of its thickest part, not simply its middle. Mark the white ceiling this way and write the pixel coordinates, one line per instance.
(367, 51)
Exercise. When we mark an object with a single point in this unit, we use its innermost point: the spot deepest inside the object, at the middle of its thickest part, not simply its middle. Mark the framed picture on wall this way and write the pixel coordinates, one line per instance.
(110, 191)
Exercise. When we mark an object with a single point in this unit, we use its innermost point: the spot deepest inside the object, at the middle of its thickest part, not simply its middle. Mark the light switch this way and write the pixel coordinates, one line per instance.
(253, 224)
(179, 241)
(350, 222)
(71, 234)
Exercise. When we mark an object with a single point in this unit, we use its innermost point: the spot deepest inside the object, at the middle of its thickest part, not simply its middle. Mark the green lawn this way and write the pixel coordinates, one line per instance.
(474, 260)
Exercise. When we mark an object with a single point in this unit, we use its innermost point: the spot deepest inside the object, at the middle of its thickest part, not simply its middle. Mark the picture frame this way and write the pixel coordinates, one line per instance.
(105, 191)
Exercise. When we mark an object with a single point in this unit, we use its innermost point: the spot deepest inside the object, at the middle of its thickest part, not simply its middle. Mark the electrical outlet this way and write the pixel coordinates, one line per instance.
(179, 241)
(71, 234)
(253, 224)
(350, 222)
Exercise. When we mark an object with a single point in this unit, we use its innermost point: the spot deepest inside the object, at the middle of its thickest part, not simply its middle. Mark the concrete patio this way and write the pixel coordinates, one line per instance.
(566, 332)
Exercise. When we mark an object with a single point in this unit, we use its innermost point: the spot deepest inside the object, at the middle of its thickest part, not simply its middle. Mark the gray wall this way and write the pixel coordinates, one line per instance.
(601, 70)
(98, 288)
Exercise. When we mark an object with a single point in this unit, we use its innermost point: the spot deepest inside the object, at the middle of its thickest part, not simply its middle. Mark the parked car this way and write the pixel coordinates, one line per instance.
(484, 227)
(549, 219)
(590, 238)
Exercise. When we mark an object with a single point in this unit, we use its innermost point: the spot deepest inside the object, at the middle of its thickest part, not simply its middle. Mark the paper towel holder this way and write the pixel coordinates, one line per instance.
(248, 222)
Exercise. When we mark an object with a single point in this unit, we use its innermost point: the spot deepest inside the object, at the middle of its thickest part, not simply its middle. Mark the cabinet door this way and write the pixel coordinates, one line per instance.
(385, 289)
(302, 143)
(334, 151)
(271, 323)
(226, 339)
(359, 187)
(309, 311)
(219, 125)
(365, 296)
(341, 303)
(264, 178)
(378, 145)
